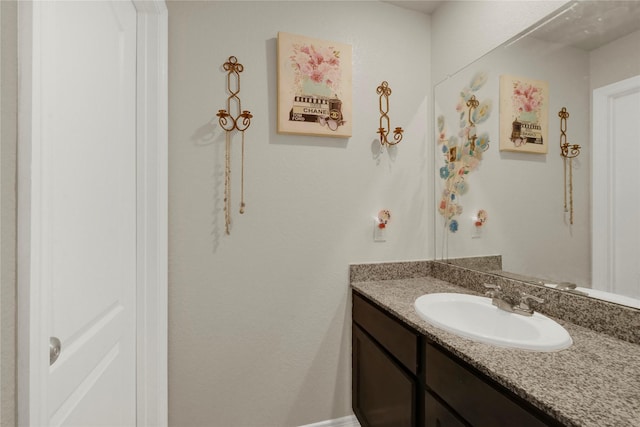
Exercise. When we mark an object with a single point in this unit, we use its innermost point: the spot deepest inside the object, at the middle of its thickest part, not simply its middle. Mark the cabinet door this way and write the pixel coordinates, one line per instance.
(437, 415)
(383, 394)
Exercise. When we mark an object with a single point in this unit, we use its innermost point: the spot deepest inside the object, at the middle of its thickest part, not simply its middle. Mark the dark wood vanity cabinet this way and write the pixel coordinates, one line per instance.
(402, 379)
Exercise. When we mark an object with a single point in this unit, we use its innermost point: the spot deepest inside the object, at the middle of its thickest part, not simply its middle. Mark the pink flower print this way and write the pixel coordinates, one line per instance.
(306, 69)
(317, 57)
(526, 97)
(320, 65)
(301, 60)
(316, 76)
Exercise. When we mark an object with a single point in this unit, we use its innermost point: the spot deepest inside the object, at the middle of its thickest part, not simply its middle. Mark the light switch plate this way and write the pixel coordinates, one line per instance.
(379, 234)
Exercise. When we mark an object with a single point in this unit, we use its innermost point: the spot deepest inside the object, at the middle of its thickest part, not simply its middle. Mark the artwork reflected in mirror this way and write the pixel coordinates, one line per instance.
(524, 115)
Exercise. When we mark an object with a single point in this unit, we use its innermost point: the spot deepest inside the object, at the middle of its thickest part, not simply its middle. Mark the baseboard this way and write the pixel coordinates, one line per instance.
(349, 421)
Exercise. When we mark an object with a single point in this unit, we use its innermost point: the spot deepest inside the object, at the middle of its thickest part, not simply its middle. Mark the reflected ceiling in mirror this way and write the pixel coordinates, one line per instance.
(588, 25)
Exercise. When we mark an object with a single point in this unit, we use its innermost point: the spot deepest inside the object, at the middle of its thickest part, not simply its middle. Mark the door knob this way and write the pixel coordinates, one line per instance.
(54, 350)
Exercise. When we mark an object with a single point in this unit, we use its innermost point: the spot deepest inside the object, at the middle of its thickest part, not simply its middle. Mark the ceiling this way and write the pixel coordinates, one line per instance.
(590, 24)
(422, 6)
(586, 24)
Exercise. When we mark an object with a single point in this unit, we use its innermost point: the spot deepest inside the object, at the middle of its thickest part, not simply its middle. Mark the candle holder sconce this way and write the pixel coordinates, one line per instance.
(385, 127)
(229, 123)
(568, 152)
(472, 103)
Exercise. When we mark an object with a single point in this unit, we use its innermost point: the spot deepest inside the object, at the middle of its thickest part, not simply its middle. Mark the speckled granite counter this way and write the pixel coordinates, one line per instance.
(595, 382)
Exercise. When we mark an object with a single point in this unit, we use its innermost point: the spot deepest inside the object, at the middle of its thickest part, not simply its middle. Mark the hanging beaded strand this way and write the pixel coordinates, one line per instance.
(568, 152)
(240, 122)
(227, 182)
(242, 205)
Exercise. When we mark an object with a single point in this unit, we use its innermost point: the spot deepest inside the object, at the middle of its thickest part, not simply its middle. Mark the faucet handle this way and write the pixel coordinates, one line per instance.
(524, 308)
(524, 297)
(493, 291)
(565, 286)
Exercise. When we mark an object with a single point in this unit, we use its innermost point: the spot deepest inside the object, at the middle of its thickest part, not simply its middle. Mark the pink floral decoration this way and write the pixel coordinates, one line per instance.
(526, 97)
(318, 64)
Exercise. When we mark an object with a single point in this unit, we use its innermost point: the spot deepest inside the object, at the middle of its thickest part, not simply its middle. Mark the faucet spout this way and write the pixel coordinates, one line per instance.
(498, 297)
(502, 304)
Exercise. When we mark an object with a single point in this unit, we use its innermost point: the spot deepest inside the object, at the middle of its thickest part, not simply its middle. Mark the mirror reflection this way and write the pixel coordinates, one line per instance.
(502, 185)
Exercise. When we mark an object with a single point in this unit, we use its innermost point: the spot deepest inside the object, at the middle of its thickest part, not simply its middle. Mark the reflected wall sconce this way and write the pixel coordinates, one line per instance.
(385, 127)
(568, 153)
(229, 123)
(472, 103)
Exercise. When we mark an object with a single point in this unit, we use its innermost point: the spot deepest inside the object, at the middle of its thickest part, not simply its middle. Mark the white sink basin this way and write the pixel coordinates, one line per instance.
(474, 317)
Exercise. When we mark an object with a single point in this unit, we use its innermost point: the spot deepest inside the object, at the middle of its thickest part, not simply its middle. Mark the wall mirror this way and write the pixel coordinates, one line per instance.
(512, 202)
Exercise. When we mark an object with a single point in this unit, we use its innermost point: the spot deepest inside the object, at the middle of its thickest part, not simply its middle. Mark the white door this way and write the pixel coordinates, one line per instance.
(83, 211)
(616, 188)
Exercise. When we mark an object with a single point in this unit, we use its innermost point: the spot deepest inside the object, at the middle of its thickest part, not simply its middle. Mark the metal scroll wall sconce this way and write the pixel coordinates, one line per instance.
(568, 152)
(472, 103)
(385, 127)
(229, 123)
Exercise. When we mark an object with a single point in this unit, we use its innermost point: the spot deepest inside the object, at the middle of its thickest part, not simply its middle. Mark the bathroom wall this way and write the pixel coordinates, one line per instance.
(615, 61)
(260, 320)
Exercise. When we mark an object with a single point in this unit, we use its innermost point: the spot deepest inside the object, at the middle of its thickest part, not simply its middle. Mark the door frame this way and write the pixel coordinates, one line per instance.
(603, 185)
(152, 219)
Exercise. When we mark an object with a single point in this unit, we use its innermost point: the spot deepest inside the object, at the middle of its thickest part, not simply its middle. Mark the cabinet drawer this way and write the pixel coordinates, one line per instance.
(477, 401)
(437, 415)
(390, 333)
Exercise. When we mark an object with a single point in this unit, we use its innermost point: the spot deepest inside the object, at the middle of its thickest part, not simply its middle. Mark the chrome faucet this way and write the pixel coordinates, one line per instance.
(523, 308)
(498, 298)
(563, 286)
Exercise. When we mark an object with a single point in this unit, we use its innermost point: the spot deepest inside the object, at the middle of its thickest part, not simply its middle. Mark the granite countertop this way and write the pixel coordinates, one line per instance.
(595, 382)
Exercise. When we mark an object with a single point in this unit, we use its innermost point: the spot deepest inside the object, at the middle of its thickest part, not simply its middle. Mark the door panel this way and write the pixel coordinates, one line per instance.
(88, 188)
(616, 200)
(626, 178)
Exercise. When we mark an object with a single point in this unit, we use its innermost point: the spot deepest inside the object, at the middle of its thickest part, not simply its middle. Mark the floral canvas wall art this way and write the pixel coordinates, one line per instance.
(314, 86)
(523, 114)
